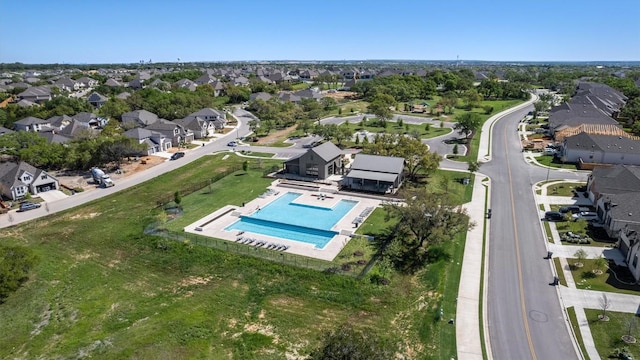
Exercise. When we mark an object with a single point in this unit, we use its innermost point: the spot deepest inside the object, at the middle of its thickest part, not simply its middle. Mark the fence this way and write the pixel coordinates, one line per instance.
(262, 253)
(190, 188)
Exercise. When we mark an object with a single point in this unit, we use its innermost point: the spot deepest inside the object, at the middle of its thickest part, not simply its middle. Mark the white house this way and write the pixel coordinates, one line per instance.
(18, 179)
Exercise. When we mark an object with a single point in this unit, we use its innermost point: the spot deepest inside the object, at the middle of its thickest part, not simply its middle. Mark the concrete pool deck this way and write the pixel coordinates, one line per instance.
(214, 224)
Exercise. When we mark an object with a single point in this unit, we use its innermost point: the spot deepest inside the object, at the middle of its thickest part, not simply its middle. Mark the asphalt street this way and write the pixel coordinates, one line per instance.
(524, 314)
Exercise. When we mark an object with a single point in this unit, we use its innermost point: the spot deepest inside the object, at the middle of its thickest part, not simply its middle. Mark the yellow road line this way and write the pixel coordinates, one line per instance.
(518, 261)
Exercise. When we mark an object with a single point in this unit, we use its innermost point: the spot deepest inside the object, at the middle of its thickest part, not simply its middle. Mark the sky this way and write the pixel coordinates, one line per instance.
(119, 31)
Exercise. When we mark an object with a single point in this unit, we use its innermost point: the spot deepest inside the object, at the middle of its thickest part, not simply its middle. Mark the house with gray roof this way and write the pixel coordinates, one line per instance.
(90, 119)
(155, 141)
(197, 125)
(186, 83)
(19, 179)
(617, 179)
(4, 131)
(375, 173)
(602, 96)
(570, 115)
(317, 163)
(36, 94)
(67, 84)
(59, 122)
(97, 100)
(112, 83)
(308, 94)
(264, 96)
(629, 245)
(618, 210)
(32, 123)
(176, 133)
(285, 96)
(206, 78)
(601, 149)
(139, 118)
(53, 137)
(215, 119)
(86, 81)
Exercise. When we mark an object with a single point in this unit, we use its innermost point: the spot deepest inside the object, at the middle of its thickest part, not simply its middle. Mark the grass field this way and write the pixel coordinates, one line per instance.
(498, 106)
(607, 335)
(103, 289)
(585, 279)
(551, 161)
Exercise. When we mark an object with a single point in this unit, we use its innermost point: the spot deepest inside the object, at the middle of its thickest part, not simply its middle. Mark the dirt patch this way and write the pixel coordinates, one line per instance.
(84, 216)
(44, 321)
(342, 95)
(275, 136)
(287, 302)
(83, 179)
(195, 280)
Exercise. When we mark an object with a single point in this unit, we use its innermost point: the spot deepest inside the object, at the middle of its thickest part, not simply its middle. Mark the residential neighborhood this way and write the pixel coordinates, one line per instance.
(282, 131)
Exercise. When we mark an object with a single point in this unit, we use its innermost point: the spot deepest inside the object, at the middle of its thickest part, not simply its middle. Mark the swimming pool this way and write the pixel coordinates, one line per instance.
(298, 222)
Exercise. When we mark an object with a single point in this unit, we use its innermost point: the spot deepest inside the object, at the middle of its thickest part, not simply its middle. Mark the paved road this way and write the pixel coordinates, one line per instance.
(525, 317)
(220, 144)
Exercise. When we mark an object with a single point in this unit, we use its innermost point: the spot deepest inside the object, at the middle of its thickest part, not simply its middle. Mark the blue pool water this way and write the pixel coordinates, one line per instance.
(284, 219)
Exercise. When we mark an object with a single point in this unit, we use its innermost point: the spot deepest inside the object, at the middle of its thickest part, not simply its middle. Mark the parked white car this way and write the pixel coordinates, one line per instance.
(587, 215)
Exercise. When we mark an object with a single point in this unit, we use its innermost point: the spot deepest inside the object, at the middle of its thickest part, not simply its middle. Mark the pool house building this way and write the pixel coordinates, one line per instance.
(319, 162)
(381, 174)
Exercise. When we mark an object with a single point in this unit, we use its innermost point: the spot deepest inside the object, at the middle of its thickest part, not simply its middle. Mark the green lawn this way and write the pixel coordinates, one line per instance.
(548, 160)
(559, 272)
(585, 279)
(104, 289)
(576, 330)
(563, 189)
(257, 154)
(352, 108)
(607, 335)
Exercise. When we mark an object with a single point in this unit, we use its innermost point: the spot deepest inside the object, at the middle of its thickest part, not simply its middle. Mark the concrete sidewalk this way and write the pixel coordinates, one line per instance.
(468, 325)
(467, 316)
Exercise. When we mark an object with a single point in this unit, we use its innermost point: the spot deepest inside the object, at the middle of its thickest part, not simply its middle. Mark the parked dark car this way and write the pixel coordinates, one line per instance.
(554, 216)
(177, 155)
(26, 206)
(573, 209)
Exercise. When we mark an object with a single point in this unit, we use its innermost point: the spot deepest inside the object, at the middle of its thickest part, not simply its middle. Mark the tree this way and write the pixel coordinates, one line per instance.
(605, 304)
(581, 255)
(538, 107)
(471, 98)
(473, 166)
(114, 108)
(630, 326)
(425, 220)
(16, 263)
(380, 105)
(349, 344)
(177, 198)
(468, 123)
(631, 111)
(448, 102)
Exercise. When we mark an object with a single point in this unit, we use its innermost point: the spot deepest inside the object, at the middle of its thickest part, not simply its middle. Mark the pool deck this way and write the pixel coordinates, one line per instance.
(214, 224)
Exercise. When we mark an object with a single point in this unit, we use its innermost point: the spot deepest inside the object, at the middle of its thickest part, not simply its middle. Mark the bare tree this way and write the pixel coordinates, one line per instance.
(605, 304)
(630, 325)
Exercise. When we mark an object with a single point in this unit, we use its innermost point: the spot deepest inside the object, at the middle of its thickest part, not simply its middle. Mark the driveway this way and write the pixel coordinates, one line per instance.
(52, 195)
